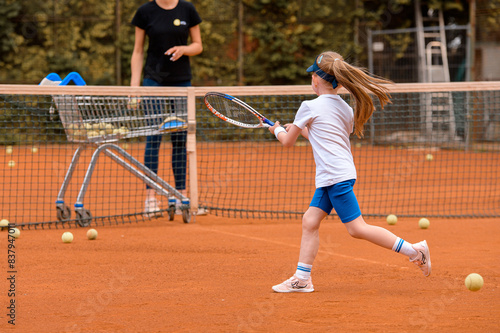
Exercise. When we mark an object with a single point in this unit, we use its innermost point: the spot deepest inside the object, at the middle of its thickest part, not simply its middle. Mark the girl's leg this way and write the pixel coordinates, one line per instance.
(309, 243)
(358, 228)
(418, 253)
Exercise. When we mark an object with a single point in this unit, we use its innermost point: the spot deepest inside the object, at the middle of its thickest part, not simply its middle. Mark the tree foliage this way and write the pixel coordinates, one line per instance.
(281, 37)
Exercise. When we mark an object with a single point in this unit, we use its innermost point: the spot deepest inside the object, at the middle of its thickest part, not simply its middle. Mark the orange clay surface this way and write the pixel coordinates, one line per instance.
(215, 275)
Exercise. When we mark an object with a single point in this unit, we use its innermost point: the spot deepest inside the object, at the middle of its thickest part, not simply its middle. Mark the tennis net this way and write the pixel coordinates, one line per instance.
(434, 151)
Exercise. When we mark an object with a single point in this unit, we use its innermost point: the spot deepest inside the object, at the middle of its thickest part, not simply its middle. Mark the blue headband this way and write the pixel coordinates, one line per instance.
(325, 76)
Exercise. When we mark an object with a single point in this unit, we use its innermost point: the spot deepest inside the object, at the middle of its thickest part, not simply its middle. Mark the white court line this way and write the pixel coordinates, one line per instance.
(298, 247)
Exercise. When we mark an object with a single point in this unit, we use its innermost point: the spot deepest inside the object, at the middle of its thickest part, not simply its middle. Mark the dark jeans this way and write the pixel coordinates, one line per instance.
(178, 139)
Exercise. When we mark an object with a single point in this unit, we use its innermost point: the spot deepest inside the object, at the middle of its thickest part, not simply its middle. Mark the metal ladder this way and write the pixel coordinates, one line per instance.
(438, 114)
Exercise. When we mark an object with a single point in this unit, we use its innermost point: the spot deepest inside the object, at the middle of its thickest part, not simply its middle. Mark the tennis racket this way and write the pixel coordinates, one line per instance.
(235, 111)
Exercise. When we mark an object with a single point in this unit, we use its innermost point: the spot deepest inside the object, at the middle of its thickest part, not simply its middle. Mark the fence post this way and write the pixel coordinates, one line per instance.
(191, 149)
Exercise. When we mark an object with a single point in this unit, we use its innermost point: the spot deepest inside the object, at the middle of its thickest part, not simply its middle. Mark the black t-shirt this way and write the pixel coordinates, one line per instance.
(165, 29)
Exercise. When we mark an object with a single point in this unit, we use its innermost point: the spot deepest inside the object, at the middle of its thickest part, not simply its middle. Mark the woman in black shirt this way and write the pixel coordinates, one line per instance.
(168, 25)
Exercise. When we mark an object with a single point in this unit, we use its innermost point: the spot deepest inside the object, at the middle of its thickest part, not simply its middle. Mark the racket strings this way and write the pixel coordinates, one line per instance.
(233, 110)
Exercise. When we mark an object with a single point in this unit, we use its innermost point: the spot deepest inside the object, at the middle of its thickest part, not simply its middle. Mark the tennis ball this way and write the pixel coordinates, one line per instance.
(109, 129)
(11, 164)
(124, 130)
(4, 224)
(474, 282)
(14, 232)
(67, 237)
(93, 134)
(429, 157)
(358, 145)
(133, 103)
(392, 219)
(34, 150)
(8, 150)
(423, 223)
(92, 234)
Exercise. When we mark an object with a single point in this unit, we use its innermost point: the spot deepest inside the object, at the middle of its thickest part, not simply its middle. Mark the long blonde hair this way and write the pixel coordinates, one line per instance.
(357, 81)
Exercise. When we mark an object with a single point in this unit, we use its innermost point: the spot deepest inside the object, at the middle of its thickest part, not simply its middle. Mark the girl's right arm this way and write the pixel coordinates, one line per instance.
(136, 62)
(288, 137)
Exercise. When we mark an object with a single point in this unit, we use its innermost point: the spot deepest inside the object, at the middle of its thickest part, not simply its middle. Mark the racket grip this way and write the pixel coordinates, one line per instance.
(267, 121)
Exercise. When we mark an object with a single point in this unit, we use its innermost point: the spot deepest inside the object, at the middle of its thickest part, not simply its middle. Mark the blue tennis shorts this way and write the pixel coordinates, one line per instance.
(339, 196)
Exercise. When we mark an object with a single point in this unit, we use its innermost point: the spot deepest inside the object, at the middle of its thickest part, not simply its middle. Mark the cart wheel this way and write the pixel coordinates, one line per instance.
(171, 212)
(83, 217)
(63, 213)
(186, 216)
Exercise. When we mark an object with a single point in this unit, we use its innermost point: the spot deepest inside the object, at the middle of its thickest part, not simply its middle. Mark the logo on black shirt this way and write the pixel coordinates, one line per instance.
(178, 22)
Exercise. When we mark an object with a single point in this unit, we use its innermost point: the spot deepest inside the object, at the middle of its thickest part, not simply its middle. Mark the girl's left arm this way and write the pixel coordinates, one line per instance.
(195, 48)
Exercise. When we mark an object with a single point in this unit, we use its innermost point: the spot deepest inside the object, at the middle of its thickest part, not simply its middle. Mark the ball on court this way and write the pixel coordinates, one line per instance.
(8, 150)
(34, 150)
(14, 232)
(429, 157)
(4, 224)
(474, 282)
(92, 234)
(392, 219)
(424, 223)
(11, 164)
(67, 237)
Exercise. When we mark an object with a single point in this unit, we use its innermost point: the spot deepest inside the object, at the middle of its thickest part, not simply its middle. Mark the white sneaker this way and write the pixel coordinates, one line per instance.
(202, 212)
(294, 285)
(423, 258)
(152, 208)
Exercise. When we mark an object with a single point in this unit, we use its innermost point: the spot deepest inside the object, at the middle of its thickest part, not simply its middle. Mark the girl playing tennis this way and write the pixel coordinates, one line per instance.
(327, 123)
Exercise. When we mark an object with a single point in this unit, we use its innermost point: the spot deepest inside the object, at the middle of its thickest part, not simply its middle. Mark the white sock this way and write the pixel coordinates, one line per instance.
(403, 247)
(303, 271)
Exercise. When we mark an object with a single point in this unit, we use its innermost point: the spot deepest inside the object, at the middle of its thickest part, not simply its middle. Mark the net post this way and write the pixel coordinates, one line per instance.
(191, 148)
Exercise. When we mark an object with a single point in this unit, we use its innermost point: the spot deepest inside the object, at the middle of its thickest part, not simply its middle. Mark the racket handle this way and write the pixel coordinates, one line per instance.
(267, 121)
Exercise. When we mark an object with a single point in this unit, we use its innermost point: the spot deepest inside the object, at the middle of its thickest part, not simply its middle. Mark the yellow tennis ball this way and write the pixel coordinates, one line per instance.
(67, 237)
(11, 164)
(474, 282)
(392, 219)
(133, 103)
(424, 223)
(93, 134)
(429, 157)
(92, 234)
(8, 150)
(109, 128)
(14, 232)
(34, 150)
(4, 224)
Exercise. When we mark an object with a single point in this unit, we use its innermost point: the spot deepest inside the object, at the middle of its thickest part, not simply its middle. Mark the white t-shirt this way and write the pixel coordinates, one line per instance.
(330, 121)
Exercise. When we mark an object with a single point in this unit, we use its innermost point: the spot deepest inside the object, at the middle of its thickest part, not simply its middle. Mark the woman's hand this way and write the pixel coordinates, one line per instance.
(175, 52)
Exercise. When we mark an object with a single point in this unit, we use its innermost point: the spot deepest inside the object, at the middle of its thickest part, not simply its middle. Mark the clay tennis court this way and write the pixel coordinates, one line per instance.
(215, 275)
